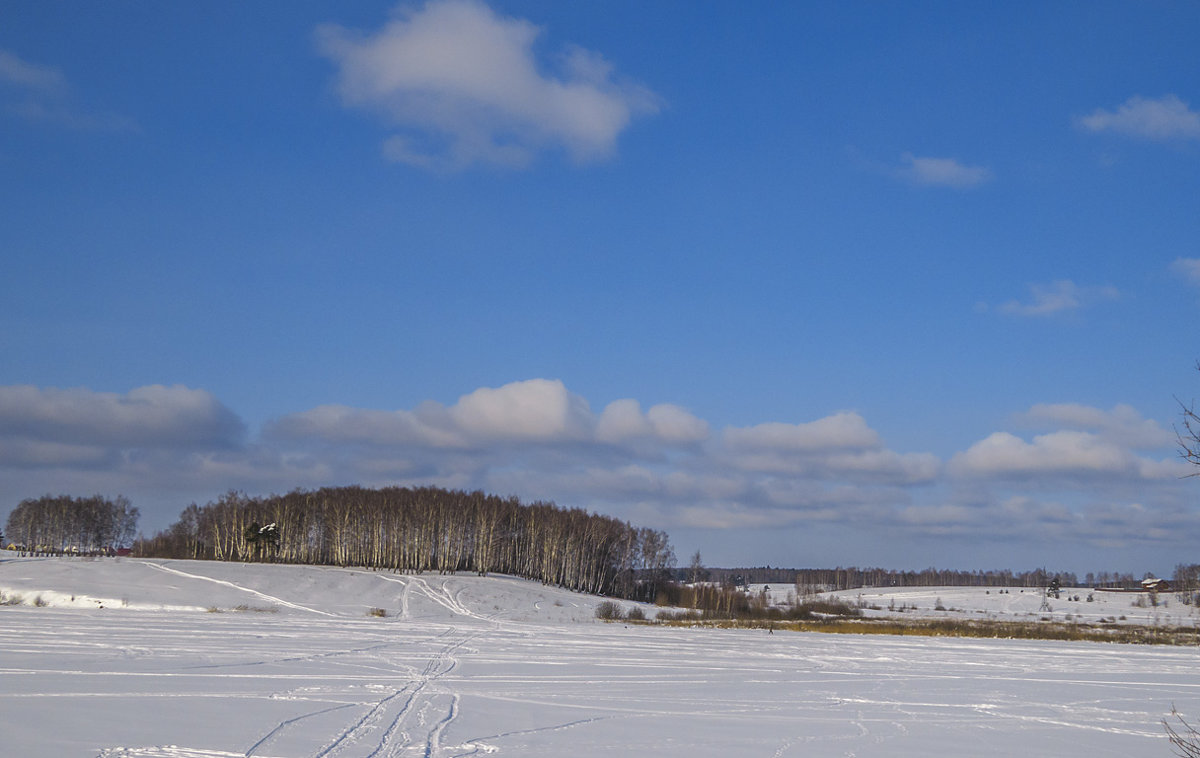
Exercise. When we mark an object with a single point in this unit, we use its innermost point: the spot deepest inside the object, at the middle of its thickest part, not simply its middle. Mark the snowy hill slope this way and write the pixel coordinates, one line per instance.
(152, 584)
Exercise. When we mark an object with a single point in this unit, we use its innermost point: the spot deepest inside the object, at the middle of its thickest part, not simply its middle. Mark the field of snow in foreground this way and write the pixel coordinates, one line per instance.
(465, 665)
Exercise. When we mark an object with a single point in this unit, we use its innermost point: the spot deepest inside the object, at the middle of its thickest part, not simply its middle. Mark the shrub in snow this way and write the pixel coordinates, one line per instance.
(1185, 740)
(609, 611)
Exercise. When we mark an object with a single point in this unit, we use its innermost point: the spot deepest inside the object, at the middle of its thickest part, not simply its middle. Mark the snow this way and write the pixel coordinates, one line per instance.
(465, 665)
(1011, 604)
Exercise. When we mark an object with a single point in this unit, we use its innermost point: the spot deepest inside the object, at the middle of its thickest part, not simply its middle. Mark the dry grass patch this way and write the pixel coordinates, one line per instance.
(1023, 630)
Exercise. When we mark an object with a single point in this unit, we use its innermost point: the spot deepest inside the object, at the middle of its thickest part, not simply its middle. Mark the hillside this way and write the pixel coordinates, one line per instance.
(164, 585)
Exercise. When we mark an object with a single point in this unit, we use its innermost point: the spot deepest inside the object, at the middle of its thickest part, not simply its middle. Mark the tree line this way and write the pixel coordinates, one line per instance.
(424, 529)
(854, 577)
(61, 524)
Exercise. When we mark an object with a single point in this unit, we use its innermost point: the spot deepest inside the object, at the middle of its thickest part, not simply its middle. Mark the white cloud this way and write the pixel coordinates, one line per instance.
(1060, 453)
(536, 410)
(1165, 118)
(1122, 424)
(1188, 268)
(1058, 297)
(20, 73)
(941, 172)
(462, 84)
(340, 424)
(837, 446)
(623, 421)
(674, 424)
(45, 97)
(152, 416)
(841, 430)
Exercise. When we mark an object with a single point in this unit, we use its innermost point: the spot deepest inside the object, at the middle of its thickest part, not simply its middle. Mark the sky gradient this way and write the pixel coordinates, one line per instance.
(813, 285)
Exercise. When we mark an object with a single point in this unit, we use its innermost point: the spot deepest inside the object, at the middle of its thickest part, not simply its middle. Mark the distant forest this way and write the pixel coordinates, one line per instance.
(424, 529)
(852, 578)
(79, 525)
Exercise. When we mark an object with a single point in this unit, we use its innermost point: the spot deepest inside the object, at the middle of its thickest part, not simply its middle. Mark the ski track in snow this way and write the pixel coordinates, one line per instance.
(401, 723)
(256, 593)
(444, 679)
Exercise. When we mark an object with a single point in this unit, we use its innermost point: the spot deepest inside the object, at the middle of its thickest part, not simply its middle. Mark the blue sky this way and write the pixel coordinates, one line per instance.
(811, 285)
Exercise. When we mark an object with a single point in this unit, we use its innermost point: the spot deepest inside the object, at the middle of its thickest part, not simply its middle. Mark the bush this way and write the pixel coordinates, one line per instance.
(635, 614)
(609, 610)
(684, 616)
(1185, 740)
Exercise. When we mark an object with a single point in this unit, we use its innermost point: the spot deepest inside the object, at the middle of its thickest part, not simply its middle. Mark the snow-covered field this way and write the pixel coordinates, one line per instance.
(464, 665)
(1015, 604)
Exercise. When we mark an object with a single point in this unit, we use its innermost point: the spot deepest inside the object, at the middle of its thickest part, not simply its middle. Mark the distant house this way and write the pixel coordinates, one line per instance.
(1156, 585)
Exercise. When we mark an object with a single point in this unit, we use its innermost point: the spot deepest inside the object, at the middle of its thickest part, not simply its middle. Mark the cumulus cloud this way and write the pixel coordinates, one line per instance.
(1121, 425)
(462, 85)
(537, 409)
(340, 424)
(941, 172)
(624, 421)
(154, 416)
(1058, 297)
(1062, 452)
(169, 442)
(1100, 448)
(1163, 118)
(841, 430)
(534, 411)
(838, 445)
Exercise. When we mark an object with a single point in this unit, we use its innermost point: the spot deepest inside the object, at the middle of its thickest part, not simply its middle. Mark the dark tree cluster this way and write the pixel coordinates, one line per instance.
(424, 529)
(61, 524)
(853, 577)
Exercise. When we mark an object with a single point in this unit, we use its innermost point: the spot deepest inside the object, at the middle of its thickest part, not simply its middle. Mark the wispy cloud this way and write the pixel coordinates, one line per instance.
(1188, 268)
(1057, 298)
(462, 85)
(41, 94)
(941, 172)
(1164, 118)
(30, 76)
